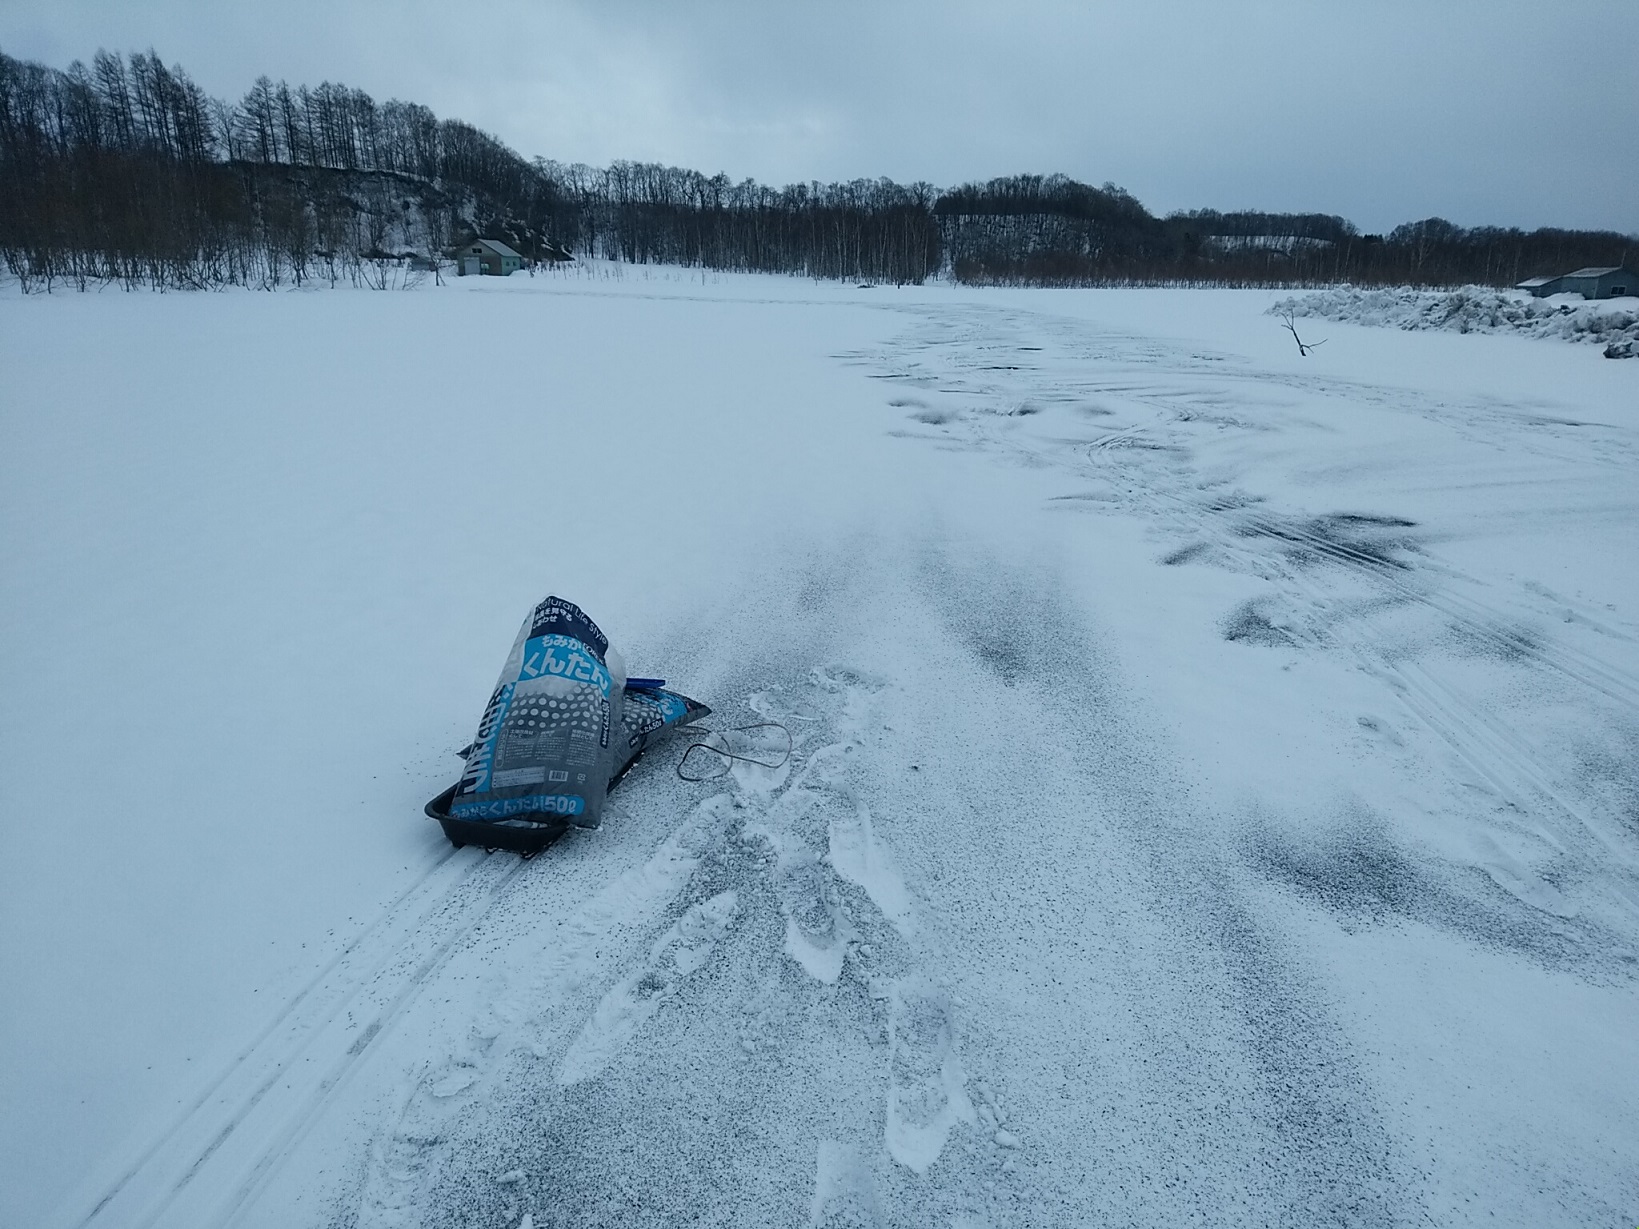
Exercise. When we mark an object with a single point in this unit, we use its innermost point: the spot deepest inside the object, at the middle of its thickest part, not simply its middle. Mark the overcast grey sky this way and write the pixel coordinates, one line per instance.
(1514, 112)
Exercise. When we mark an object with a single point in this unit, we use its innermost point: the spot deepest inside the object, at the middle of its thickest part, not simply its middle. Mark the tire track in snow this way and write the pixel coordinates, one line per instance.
(1501, 762)
(1177, 405)
(1510, 768)
(1482, 622)
(1314, 1148)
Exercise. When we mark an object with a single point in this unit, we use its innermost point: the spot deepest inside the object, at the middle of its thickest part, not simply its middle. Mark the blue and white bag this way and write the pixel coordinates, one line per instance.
(552, 735)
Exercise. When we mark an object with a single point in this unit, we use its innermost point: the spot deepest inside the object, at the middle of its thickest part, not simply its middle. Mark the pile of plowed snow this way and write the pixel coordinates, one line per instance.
(1476, 309)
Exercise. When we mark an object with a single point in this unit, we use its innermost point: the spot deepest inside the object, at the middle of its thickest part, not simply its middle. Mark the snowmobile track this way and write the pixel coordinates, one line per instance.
(1486, 625)
(1471, 616)
(1499, 758)
(1477, 620)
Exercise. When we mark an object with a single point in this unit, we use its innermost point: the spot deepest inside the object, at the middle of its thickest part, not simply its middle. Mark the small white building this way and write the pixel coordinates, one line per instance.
(1596, 282)
(489, 256)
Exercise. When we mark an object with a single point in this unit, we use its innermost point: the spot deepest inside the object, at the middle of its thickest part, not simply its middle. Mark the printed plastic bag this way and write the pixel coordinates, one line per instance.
(552, 734)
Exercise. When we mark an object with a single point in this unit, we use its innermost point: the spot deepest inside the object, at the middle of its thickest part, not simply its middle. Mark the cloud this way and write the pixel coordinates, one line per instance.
(1515, 112)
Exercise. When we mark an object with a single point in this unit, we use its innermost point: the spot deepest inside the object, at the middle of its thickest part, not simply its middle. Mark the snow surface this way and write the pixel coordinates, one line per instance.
(1477, 309)
(1214, 797)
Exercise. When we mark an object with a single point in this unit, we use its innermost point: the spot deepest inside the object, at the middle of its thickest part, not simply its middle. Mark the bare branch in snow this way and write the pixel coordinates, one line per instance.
(1303, 346)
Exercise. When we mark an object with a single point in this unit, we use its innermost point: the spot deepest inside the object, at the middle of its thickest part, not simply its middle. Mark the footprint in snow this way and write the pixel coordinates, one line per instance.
(629, 1004)
(816, 931)
(844, 1194)
(404, 1159)
(860, 857)
(767, 1018)
(926, 1089)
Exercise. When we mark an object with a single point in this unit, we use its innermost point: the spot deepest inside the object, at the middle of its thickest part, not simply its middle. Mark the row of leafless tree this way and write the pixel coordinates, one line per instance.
(127, 171)
(1035, 230)
(870, 230)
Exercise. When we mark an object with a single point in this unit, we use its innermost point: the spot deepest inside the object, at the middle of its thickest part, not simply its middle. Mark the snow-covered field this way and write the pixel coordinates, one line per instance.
(1215, 798)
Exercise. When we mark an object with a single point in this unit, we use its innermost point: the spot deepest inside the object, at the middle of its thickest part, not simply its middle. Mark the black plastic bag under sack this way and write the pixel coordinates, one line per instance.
(649, 713)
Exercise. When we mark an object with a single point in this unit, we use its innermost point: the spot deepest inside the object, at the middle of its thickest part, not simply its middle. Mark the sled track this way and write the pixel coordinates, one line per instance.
(317, 1096)
(206, 1165)
(261, 1042)
(795, 847)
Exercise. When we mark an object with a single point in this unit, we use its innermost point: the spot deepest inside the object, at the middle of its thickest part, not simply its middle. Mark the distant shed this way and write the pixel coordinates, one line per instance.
(1609, 282)
(487, 256)
(1595, 282)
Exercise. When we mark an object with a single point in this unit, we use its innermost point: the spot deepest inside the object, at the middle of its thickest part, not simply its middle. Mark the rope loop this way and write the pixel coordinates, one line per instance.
(719, 753)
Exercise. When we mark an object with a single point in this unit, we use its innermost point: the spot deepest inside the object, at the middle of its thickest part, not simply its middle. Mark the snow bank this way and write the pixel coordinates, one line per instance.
(1477, 309)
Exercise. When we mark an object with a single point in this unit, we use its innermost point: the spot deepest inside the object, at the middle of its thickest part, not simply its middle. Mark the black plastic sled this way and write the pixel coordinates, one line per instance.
(519, 836)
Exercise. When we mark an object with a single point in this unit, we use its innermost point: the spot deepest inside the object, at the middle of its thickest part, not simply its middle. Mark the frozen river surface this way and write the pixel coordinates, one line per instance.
(1214, 799)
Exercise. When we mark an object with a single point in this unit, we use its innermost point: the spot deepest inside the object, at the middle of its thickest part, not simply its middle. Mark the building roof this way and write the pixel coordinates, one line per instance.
(1596, 271)
(500, 249)
(1534, 281)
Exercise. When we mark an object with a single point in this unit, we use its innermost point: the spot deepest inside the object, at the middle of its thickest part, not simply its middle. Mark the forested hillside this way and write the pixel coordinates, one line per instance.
(126, 171)
(1051, 230)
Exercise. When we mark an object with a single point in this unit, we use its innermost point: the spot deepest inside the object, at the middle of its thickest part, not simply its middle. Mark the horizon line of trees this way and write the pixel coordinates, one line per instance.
(1051, 230)
(126, 171)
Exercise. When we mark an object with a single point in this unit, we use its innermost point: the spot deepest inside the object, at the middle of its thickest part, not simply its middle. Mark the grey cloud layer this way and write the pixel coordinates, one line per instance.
(1514, 113)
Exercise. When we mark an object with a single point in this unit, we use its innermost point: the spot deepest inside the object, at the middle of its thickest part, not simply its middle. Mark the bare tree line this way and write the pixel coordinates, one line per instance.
(126, 171)
(871, 230)
(1051, 230)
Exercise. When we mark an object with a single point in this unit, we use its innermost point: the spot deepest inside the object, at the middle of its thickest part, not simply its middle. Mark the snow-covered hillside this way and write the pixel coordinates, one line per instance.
(1214, 797)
